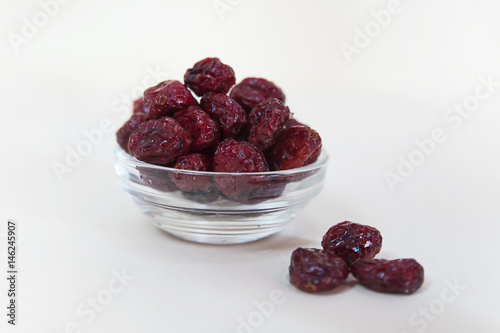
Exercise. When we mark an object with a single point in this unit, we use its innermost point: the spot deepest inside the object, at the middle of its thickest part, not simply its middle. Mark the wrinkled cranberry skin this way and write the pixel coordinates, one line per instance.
(252, 91)
(194, 162)
(159, 141)
(227, 112)
(167, 97)
(209, 75)
(266, 121)
(296, 146)
(203, 129)
(192, 182)
(238, 157)
(123, 134)
(139, 106)
(315, 270)
(401, 276)
(352, 241)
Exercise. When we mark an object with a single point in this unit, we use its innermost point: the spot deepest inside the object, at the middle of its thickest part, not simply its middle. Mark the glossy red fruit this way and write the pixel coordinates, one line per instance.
(227, 112)
(314, 157)
(209, 75)
(167, 97)
(296, 146)
(203, 129)
(139, 106)
(402, 276)
(315, 270)
(238, 157)
(352, 241)
(266, 122)
(159, 141)
(193, 182)
(123, 134)
(252, 91)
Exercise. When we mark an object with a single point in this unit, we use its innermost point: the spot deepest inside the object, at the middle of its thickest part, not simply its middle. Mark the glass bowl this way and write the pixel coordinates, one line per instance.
(256, 205)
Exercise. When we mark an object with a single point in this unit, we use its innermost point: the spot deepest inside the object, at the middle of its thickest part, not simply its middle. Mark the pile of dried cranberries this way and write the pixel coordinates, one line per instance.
(228, 128)
(351, 247)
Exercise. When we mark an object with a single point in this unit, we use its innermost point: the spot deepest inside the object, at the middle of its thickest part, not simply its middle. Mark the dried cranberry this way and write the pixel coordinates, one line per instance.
(261, 188)
(226, 111)
(140, 107)
(123, 134)
(160, 141)
(295, 147)
(252, 91)
(194, 162)
(266, 121)
(238, 157)
(352, 241)
(192, 182)
(314, 157)
(202, 197)
(292, 122)
(209, 75)
(167, 97)
(203, 129)
(314, 270)
(402, 276)
(157, 179)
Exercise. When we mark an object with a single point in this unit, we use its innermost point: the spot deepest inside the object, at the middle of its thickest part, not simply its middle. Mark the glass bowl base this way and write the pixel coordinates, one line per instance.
(219, 226)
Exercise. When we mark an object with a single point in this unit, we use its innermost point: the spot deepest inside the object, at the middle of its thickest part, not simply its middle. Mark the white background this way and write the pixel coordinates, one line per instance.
(76, 232)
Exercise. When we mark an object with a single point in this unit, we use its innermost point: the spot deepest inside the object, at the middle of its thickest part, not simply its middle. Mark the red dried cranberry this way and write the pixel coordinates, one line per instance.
(296, 146)
(266, 121)
(203, 129)
(123, 134)
(314, 157)
(261, 188)
(209, 75)
(402, 276)
(315, 270)
(167, 97)
(292, 122)
(202, 197)
(352, 241)
(160, 141)
(226, 111)
(192, 182)
(194, 162)
(252, 91)
(238, 157)
(140, 107)
(157, 179)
